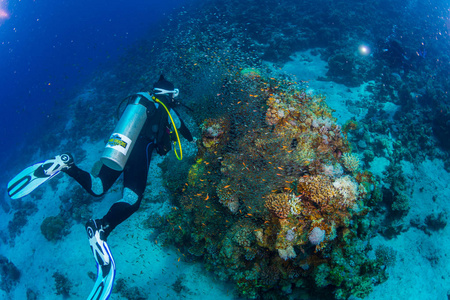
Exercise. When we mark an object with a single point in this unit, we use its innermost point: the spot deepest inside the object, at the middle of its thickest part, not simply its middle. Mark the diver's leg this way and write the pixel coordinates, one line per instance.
(96, 186)
(135, 180)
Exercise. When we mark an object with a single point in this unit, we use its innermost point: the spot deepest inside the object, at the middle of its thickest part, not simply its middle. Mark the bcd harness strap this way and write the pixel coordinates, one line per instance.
(153, 99)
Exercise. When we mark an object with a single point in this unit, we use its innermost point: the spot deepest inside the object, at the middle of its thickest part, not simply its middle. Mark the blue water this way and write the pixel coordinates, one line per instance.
(385, 64)
(48, 48)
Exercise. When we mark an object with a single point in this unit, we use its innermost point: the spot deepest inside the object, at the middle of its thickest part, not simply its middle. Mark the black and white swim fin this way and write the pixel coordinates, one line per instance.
(106, 267)
(105, 279)
(32, 177)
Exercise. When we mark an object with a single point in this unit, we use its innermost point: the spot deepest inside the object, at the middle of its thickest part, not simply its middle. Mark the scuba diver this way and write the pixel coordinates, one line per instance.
(143, 127)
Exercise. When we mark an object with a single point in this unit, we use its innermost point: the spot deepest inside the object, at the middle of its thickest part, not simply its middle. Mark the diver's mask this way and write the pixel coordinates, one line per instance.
(159, 91)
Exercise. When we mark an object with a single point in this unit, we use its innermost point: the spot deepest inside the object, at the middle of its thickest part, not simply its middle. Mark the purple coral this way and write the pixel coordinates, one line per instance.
(290, 235)
(316, 236)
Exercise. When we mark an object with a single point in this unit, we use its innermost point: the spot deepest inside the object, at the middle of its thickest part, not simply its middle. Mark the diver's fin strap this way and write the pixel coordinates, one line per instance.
(56, 164)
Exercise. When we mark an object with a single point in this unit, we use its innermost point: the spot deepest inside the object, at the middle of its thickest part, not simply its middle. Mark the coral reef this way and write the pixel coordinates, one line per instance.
(31, 295)
(215, 132)
(9, 274)
(316, 236)
(75, 204)
(275, 190)
(54, 228)
(22, 209)
(350, 162)
(276, 199)
(132, 293)
(62, 284)
(279, 204)
(386, 255)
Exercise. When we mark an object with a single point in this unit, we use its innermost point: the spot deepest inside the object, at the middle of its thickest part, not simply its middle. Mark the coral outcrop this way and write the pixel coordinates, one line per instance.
(276, 190)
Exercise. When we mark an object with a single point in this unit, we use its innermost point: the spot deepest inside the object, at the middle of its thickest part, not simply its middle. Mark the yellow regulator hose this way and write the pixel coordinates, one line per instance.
(176, 132)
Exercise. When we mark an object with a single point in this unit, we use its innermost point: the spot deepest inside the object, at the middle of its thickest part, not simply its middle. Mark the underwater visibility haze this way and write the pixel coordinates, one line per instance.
(49, 48)
(319, 165)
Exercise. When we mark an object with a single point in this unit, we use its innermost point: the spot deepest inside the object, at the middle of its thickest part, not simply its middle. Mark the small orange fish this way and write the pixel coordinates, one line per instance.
(227, 186)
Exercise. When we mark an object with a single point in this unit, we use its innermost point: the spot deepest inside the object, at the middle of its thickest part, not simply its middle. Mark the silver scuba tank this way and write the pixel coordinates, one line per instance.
(121, 142)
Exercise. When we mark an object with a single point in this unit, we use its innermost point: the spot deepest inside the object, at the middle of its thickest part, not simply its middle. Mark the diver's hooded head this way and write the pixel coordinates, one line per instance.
(165, 89)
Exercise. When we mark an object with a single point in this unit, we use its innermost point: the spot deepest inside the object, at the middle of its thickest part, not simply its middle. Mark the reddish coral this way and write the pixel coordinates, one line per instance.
(215, 132)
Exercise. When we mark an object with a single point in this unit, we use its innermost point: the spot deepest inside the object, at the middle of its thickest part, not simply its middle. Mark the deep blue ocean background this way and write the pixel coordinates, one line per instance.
(381, 66)
(48, 49)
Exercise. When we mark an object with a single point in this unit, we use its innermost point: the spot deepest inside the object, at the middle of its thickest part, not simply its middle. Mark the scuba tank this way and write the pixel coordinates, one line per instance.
(121, 142)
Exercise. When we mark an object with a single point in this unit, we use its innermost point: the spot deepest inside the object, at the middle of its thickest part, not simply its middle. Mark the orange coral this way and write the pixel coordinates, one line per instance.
(349, 125)
(276, 111)
(278, 204)
(318, 189)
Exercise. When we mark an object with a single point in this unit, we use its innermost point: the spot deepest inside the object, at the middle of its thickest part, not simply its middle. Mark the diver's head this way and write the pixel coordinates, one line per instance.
(165, 88)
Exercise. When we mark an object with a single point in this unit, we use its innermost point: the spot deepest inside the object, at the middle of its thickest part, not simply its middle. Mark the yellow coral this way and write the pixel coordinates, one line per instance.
(278, 204)
(304, 155)
(348, 190)
(295, 202)
(276, 111)
(318, 189)
(195, 171)
(351, 162)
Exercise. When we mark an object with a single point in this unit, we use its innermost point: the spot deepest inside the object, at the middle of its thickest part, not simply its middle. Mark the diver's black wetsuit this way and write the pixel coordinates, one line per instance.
(154, 135)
